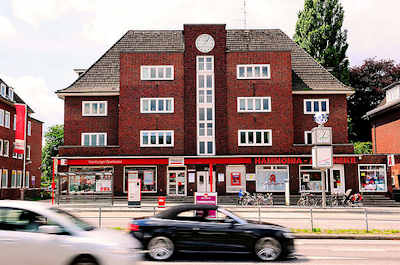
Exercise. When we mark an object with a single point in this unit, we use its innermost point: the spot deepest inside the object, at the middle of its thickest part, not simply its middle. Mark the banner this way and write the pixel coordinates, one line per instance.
(271, 180)
(20, 128)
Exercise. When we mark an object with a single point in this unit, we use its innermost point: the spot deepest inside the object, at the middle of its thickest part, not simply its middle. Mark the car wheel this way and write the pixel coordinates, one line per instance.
(85, 261)
(161, 248)
(268, 249)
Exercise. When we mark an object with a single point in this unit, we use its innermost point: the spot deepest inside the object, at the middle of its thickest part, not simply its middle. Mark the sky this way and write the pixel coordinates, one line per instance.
(42, 41)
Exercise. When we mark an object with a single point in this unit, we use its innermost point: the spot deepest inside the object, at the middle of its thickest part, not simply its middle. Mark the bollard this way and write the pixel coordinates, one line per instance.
(154, 210)
(311, 220)
(259, 214)
(99, 217)
(366, 219)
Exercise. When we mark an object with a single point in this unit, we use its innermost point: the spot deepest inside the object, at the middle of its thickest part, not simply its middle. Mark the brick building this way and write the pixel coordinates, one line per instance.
(207, 109)
(385, 121)
(11, 164)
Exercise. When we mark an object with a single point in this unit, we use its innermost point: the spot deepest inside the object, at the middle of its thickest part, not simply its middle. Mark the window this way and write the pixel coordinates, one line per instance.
(7, 119)
(312, 106)
(372, 178)
(15, 122)
(1, 117)
(27, 178)
(271, 178)
(28, 152)
(307, 137)
(11, 94)
(20, 156)
(254, 104)
(156, 138)
(253, 71)
(19, 178)
(157, 72)
(94, 108)
(156, 105)
(3, 90)
(90, 179)
(13, 179)
(29, 128)
(310, 179)
(94, 139)
(147, 175)
(1, 147)
(6, 148)
(255, 137)
(4, 178)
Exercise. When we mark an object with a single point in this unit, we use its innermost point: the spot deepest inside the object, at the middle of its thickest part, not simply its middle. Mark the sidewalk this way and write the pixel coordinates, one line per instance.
(346, 236)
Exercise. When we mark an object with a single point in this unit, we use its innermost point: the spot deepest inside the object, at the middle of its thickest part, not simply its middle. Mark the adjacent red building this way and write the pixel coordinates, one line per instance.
(207, 109)
(12, 181)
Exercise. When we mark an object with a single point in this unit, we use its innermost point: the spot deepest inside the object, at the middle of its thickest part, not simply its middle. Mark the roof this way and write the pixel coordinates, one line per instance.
(103, 75)
(175, 210)
(17, 98)
(384, 105)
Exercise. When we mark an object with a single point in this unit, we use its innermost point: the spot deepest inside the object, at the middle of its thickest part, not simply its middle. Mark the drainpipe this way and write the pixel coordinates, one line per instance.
(375, 148)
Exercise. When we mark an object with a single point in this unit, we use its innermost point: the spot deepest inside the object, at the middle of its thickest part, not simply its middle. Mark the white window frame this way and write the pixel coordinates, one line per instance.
(3, 90)
(312, 170)
(90, 139)
(4, 185)
(6, 151)
(19, 172)
(13, 179)
(269, 131)
(164, 132)
(15, 122)
(27, 179)
(319, 105)
(359, 177)
(29, 131)
(7, 119)
(306, 138)
(125, 188)
(1, 147)
(11, 94)
(157, 105)
(149, 67)
(28, 152)
(91, 108)
(253, 99)
(2, 117)
(253, 66)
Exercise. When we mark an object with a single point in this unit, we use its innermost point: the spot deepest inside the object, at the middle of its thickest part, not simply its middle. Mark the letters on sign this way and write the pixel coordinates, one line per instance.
(300, 160)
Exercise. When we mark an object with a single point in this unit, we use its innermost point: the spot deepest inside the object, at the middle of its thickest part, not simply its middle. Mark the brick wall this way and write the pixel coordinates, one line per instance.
(131, 121)
(279, 88)
(386, 135)
(337, 117)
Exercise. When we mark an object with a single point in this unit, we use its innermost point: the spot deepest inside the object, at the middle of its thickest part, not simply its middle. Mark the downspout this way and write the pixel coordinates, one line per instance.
(375, 146)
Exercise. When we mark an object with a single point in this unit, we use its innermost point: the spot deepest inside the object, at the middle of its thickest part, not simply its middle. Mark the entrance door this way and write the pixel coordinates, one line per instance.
(203, 181)
(337, 179)
(176, 182)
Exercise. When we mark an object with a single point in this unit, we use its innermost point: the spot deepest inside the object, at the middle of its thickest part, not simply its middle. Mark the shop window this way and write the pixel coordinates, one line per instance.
(94, 108)
(156, 138)
(235, 179)
(254, 104)
(255, 137)
(90, 179)
(253, 71)
(157, 72)
(310, 179)
(372, 178)
(312, 106)
(271, 178)
(157, 105)
(147, 176)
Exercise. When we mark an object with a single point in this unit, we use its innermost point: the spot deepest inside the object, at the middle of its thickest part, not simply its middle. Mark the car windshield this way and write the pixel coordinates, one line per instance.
(233, 216)
(77, 221)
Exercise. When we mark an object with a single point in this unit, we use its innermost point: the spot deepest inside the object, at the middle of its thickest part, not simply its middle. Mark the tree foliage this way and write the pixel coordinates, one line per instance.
(319, 32)
(54, 138)
(362, 147)
(368, 80)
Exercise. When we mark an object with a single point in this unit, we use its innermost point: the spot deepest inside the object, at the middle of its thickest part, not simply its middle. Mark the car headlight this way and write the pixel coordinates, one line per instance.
(288, 234)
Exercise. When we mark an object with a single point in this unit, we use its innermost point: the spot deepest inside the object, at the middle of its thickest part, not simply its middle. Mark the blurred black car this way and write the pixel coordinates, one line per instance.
(209, 228)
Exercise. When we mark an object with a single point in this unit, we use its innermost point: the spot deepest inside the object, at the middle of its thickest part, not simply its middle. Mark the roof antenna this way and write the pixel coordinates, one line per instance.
(244, 14)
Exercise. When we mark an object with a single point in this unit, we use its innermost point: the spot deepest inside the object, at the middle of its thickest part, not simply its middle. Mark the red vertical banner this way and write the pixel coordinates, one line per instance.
(20, 128)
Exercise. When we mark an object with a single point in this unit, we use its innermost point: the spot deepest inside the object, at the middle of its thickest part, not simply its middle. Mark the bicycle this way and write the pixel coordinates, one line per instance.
(266, 199)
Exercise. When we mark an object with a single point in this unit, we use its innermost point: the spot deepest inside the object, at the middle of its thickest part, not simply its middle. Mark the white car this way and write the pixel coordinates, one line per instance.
(33, 233)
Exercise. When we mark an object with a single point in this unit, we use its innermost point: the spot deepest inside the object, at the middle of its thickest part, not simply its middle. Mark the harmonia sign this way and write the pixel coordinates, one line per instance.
(299, 160)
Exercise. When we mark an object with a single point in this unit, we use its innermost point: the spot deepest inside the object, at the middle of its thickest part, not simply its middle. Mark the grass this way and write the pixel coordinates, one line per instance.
(347, 231)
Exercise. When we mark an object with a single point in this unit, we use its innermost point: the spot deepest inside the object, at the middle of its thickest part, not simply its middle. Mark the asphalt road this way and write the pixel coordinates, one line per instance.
(311, 251)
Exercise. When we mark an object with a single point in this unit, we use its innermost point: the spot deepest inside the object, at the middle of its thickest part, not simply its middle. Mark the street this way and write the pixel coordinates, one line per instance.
(312, 251)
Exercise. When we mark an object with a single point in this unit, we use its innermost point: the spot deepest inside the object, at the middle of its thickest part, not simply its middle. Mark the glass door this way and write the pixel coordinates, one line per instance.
(337, 179)
(176, 182)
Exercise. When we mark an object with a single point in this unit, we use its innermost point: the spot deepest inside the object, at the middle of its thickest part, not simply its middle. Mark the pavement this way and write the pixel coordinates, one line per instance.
(310, 251)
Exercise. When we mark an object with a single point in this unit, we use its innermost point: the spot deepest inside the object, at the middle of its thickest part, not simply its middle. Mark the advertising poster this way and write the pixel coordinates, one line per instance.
(209, 198)
(20, 128)
(251, 177)
(270, 180)
(192, 177)
(134, 189)
(235, 179)
(148, 178)
(221, 177)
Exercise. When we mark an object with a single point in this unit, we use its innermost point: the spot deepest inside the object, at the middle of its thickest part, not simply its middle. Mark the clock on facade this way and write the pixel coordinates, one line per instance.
(205, 43)
(322, 135)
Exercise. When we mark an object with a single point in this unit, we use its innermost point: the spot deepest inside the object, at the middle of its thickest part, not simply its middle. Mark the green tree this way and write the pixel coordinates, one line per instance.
(362, 147)
(54, 137)
(368, 80)
(319, 32)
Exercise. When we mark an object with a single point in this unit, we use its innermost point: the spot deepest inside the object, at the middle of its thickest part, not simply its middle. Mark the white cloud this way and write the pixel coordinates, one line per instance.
(35, 92)
(7, 29)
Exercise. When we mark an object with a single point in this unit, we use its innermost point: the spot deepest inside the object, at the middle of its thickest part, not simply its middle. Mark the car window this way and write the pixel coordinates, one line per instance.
(193, 215)
(14, 219)
(77, 221)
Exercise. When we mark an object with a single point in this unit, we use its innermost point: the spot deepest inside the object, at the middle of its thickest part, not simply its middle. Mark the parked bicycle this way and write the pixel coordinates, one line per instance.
(265, 199)
(307, 200)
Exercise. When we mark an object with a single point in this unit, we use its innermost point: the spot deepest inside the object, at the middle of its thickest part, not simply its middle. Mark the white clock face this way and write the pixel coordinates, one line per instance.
(205, 43)
(323, 136)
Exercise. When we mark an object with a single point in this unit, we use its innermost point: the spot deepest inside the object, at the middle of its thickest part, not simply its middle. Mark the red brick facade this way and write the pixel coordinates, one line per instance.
(386, 132)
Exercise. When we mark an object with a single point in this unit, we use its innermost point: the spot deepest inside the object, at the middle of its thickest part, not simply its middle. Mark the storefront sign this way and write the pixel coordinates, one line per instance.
(322, 157)
(209, 198)
(176, 161)
(390, 160)
(250, 177)
(299, 160)
(221, 177)
(271, 180)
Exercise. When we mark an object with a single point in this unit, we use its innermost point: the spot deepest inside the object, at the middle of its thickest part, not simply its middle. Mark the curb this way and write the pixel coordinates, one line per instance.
(345, 236)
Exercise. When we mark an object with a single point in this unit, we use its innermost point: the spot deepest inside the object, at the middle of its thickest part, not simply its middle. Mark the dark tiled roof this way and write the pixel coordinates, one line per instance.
(384, 105)
(103, 75)
(17, 99)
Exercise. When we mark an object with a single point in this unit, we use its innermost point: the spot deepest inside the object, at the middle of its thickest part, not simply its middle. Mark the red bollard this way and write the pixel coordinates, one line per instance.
(161, 202)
